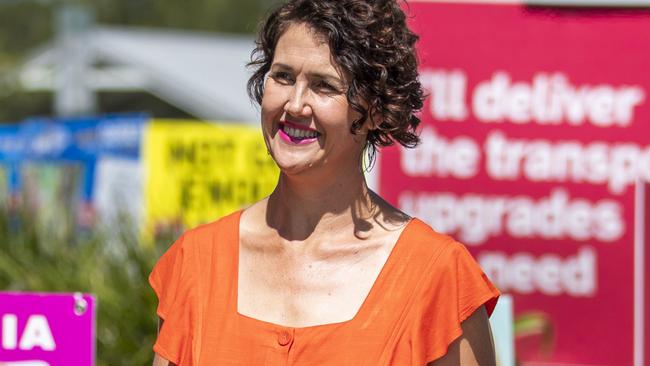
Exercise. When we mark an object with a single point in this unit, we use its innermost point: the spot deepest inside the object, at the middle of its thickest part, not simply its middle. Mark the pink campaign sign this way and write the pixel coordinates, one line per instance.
(535, 130)
(40, 329)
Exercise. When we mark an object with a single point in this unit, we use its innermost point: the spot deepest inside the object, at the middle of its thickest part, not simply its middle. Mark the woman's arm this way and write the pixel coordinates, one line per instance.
(157, 359)
(474, 347)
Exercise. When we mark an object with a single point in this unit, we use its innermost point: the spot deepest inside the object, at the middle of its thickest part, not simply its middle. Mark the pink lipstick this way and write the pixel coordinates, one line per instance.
(296, 134)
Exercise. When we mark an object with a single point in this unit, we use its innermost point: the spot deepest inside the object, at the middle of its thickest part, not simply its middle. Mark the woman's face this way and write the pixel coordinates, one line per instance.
(306, 116)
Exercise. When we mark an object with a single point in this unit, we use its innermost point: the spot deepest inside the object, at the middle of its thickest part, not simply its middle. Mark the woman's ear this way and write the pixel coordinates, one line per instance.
(375, 119)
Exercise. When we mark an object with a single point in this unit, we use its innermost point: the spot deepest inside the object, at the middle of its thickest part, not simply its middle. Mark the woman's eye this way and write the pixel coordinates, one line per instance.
(282, 77)
(324, 86)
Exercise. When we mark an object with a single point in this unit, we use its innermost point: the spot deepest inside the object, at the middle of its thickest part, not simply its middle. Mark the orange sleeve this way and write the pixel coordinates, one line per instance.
(171, 280)
(457, 289)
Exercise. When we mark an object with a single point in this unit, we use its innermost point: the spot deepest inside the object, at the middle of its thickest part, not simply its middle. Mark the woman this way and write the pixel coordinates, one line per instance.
(323, 271)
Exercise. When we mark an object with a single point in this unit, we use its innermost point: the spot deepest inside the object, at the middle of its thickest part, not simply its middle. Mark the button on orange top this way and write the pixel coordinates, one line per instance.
(284, 338)
(427, 287)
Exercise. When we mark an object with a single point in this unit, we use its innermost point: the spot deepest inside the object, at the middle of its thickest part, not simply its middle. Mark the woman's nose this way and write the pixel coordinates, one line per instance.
(298, 104)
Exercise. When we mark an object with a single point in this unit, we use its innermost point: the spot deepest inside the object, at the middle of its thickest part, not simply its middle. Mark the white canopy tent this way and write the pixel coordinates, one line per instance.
(203, 74)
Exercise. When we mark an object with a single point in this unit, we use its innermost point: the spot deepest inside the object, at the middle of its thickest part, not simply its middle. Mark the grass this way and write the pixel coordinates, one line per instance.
(112, 263)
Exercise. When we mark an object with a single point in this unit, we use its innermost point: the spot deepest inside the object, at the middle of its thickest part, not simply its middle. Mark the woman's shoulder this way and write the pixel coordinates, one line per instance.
(209, 236)
(428, 242)
(225, 225)
(421, 242)
(440, 258)
(451, 269)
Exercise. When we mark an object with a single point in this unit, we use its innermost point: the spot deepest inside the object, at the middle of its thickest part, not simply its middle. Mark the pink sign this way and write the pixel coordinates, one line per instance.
(535, 130)
(47, 329)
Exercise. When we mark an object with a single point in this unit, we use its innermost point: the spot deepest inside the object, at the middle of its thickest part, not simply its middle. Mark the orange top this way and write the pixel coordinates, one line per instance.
(428, 286)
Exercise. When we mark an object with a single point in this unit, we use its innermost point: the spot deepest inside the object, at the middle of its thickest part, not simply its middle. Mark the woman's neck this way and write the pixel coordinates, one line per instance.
(298, 209)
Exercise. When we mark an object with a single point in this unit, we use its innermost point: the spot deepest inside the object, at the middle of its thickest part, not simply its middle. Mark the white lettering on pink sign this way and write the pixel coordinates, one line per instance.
(549, 99)
(37, 333)
(615, 165)
(438, 156)
(549, 274)
(475, 218)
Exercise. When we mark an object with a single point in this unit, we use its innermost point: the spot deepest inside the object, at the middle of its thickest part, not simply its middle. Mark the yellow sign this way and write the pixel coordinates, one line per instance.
(196, 172)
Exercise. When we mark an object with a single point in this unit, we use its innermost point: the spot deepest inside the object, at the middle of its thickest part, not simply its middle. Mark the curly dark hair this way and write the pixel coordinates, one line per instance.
(371, 42)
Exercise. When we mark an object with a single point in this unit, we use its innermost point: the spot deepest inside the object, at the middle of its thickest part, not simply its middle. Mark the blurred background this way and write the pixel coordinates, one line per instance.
(31, 29)
(79, 83)
(123, 123)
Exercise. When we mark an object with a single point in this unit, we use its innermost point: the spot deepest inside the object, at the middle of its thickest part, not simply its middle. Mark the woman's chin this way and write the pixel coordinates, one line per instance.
(293, 161)
(293, 167)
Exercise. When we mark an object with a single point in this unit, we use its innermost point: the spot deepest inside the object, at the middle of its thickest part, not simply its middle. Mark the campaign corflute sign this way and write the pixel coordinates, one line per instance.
(47, 329)
(535, 130)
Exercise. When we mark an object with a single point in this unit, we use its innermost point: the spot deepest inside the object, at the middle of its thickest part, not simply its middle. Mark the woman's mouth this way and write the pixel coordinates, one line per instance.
(296, 134)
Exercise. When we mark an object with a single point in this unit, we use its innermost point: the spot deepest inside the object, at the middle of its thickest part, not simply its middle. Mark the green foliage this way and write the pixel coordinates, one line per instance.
(111, 264)
(23, 25)
(233, 16)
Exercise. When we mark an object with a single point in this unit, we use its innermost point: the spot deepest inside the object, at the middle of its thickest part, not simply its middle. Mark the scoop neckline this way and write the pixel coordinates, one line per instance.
(363, 309)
